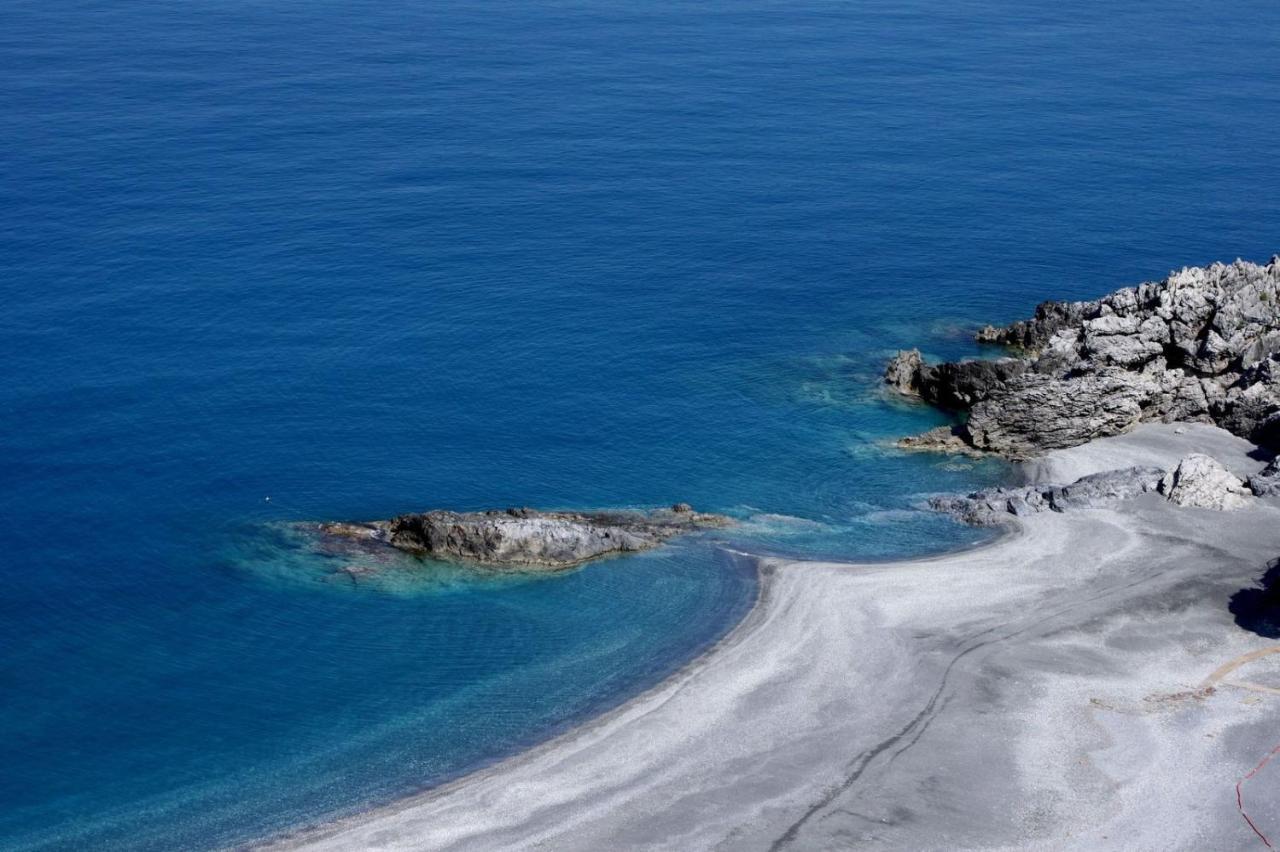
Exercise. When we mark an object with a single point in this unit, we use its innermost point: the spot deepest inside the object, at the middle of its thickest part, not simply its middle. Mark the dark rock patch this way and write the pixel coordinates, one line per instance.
(1257, 608)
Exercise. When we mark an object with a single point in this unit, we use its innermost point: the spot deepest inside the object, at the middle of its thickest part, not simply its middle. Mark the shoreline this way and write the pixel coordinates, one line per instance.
(765, 568)
(299, 837)
(858, 702)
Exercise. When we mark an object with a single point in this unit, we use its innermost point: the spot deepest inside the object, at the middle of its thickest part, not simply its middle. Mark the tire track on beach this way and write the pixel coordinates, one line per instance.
(863, 761)
(920, 723)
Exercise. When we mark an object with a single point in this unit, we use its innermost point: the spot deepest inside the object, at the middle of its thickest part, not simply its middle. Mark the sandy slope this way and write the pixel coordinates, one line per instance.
(1043, 692)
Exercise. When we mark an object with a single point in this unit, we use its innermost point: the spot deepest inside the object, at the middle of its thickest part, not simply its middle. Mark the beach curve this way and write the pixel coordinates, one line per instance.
(1019, 694)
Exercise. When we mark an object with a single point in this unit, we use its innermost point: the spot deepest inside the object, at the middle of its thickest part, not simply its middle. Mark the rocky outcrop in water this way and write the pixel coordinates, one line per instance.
(1198, 481)
(1201, 345)
(527, 537)
(903, 372)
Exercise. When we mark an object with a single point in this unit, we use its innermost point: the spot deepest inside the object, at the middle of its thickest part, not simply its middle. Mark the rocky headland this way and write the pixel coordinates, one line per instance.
(1079, 671)
(1202, 345)
(526, 538)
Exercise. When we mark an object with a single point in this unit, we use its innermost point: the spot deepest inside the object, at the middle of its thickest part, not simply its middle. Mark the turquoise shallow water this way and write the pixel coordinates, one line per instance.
(366, 258)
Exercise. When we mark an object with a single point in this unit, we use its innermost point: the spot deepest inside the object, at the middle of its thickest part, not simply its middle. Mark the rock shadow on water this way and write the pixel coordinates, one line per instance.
(1257, 609)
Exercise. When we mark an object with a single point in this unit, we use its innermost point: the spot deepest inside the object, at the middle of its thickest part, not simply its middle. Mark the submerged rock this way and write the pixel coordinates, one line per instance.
(1201, 345)
(527, 537)
(1202, 481)
(952, 439)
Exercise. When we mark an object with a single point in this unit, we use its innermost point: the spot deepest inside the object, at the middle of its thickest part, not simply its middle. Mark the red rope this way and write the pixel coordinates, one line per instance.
(1240, 795)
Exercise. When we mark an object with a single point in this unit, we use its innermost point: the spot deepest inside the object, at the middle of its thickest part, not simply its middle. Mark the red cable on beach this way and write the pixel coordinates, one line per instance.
(1240, 795)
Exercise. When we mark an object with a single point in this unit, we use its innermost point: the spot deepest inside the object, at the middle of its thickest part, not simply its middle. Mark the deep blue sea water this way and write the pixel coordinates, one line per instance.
(362, 258)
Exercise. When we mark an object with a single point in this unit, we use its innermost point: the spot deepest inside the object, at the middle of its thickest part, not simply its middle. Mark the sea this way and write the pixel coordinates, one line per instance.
(269, 263)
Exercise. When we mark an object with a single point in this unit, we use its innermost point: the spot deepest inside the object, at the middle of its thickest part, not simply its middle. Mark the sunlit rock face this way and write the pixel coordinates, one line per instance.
(1201, 345)
(528, 537)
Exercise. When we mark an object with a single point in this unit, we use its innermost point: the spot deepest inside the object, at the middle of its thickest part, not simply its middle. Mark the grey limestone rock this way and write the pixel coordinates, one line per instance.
(1198, 481)
(1104, 489)
(996, 505)
(1201, 481)
(527, 537)
(953, 439)
(962, 384)
(1266, 482)
(903, 372)
(1203, 344)
(1043, 413)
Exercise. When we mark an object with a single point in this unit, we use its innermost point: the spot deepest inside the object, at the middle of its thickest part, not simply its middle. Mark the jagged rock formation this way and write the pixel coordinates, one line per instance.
(1201, 345)
(527, 537)
(951, 439)
(903, 371)
(1200, 480)
(1266, 483)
